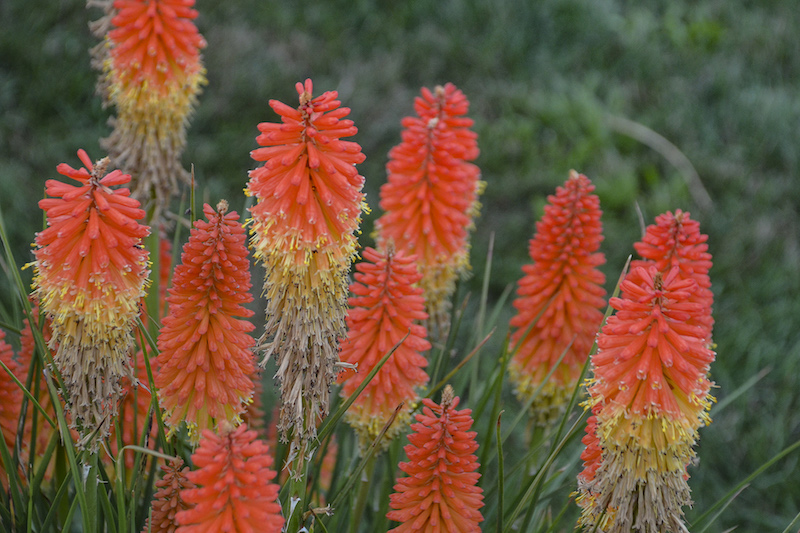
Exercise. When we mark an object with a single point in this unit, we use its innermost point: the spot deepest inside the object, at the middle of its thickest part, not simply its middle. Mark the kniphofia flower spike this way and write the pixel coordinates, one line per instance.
(385, 306)
(431, 195)
(235, 492)
(152, 73)
(650, 395)
(167, 499)
(440, 492)
(206, 364)
(91, 273)
(308, 209)
(563, 289)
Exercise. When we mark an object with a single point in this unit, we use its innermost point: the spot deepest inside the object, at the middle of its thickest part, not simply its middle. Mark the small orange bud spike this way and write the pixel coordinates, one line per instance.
(385, 307)
(565, 287)
(440, 492)
(10, 399)
(168, 500)
(235, 492)
(206, 363)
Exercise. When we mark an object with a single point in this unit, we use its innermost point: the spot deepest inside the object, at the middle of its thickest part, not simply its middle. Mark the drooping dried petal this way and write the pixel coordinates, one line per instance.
(235, 492)
(90, 275)
(440, 492)
(309, 205)
(559, 299)
(205, 362)
(431, 196)
(152, 73)
(385, 306)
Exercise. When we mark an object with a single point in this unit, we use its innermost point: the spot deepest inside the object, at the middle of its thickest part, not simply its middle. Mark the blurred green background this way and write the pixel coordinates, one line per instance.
(664, 105)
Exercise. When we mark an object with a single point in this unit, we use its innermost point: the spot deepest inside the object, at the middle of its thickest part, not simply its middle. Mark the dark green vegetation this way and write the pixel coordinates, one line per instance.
(553, 85)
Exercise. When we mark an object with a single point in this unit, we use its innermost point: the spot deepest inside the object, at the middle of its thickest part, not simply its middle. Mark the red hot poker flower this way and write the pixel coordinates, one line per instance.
(152, 73)
(10, 397)
(91, 273)
(431, 196)
(167, 500)
(649, 396)
(235, 492)
(440, 493)
(206, 363)
(565, 265)
(303, 229)
(385, 306)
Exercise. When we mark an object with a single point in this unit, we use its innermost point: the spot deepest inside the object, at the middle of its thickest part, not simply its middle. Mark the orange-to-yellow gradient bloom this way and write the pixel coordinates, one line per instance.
(234, 492)
(431, 195)
(152, 73)
(650, 395)
(385, 306)
(308, 210)
(90, 275)
(205, 364)
(559, 299)
(440, 493)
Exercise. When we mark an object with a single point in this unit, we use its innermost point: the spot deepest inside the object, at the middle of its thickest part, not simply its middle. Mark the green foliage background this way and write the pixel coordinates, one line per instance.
(548, 82)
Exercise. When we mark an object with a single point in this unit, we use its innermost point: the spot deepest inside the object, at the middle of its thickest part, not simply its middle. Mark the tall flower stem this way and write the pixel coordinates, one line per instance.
(363, 494)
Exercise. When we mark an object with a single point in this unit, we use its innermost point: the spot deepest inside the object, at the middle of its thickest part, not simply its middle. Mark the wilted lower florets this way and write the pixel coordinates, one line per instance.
(91, 273)
(308, 209)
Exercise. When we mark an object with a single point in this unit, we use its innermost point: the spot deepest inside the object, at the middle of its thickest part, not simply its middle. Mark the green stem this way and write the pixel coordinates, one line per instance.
(363, 494)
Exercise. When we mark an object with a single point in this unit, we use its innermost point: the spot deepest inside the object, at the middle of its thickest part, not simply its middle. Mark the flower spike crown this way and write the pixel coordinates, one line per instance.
(675, 241)
(440, 493)
(152, 73)
(650, 395)
(385, 305)
(234, 489)
(90, 275)
(565, 287)
(431, 195)
(206, 364)
(303, 226)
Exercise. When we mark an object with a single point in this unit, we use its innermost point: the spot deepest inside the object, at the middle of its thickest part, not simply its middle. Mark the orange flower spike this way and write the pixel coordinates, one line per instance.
(155, 42)
(10, 395)
(90, 275)
(431, 196)
(384, 308)
(649, 396)
(205, 364)
(152, 73)
(235, 492)
(440, 492)
(167, 500)
(565, 265)
(308, 209)
(675, 241)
